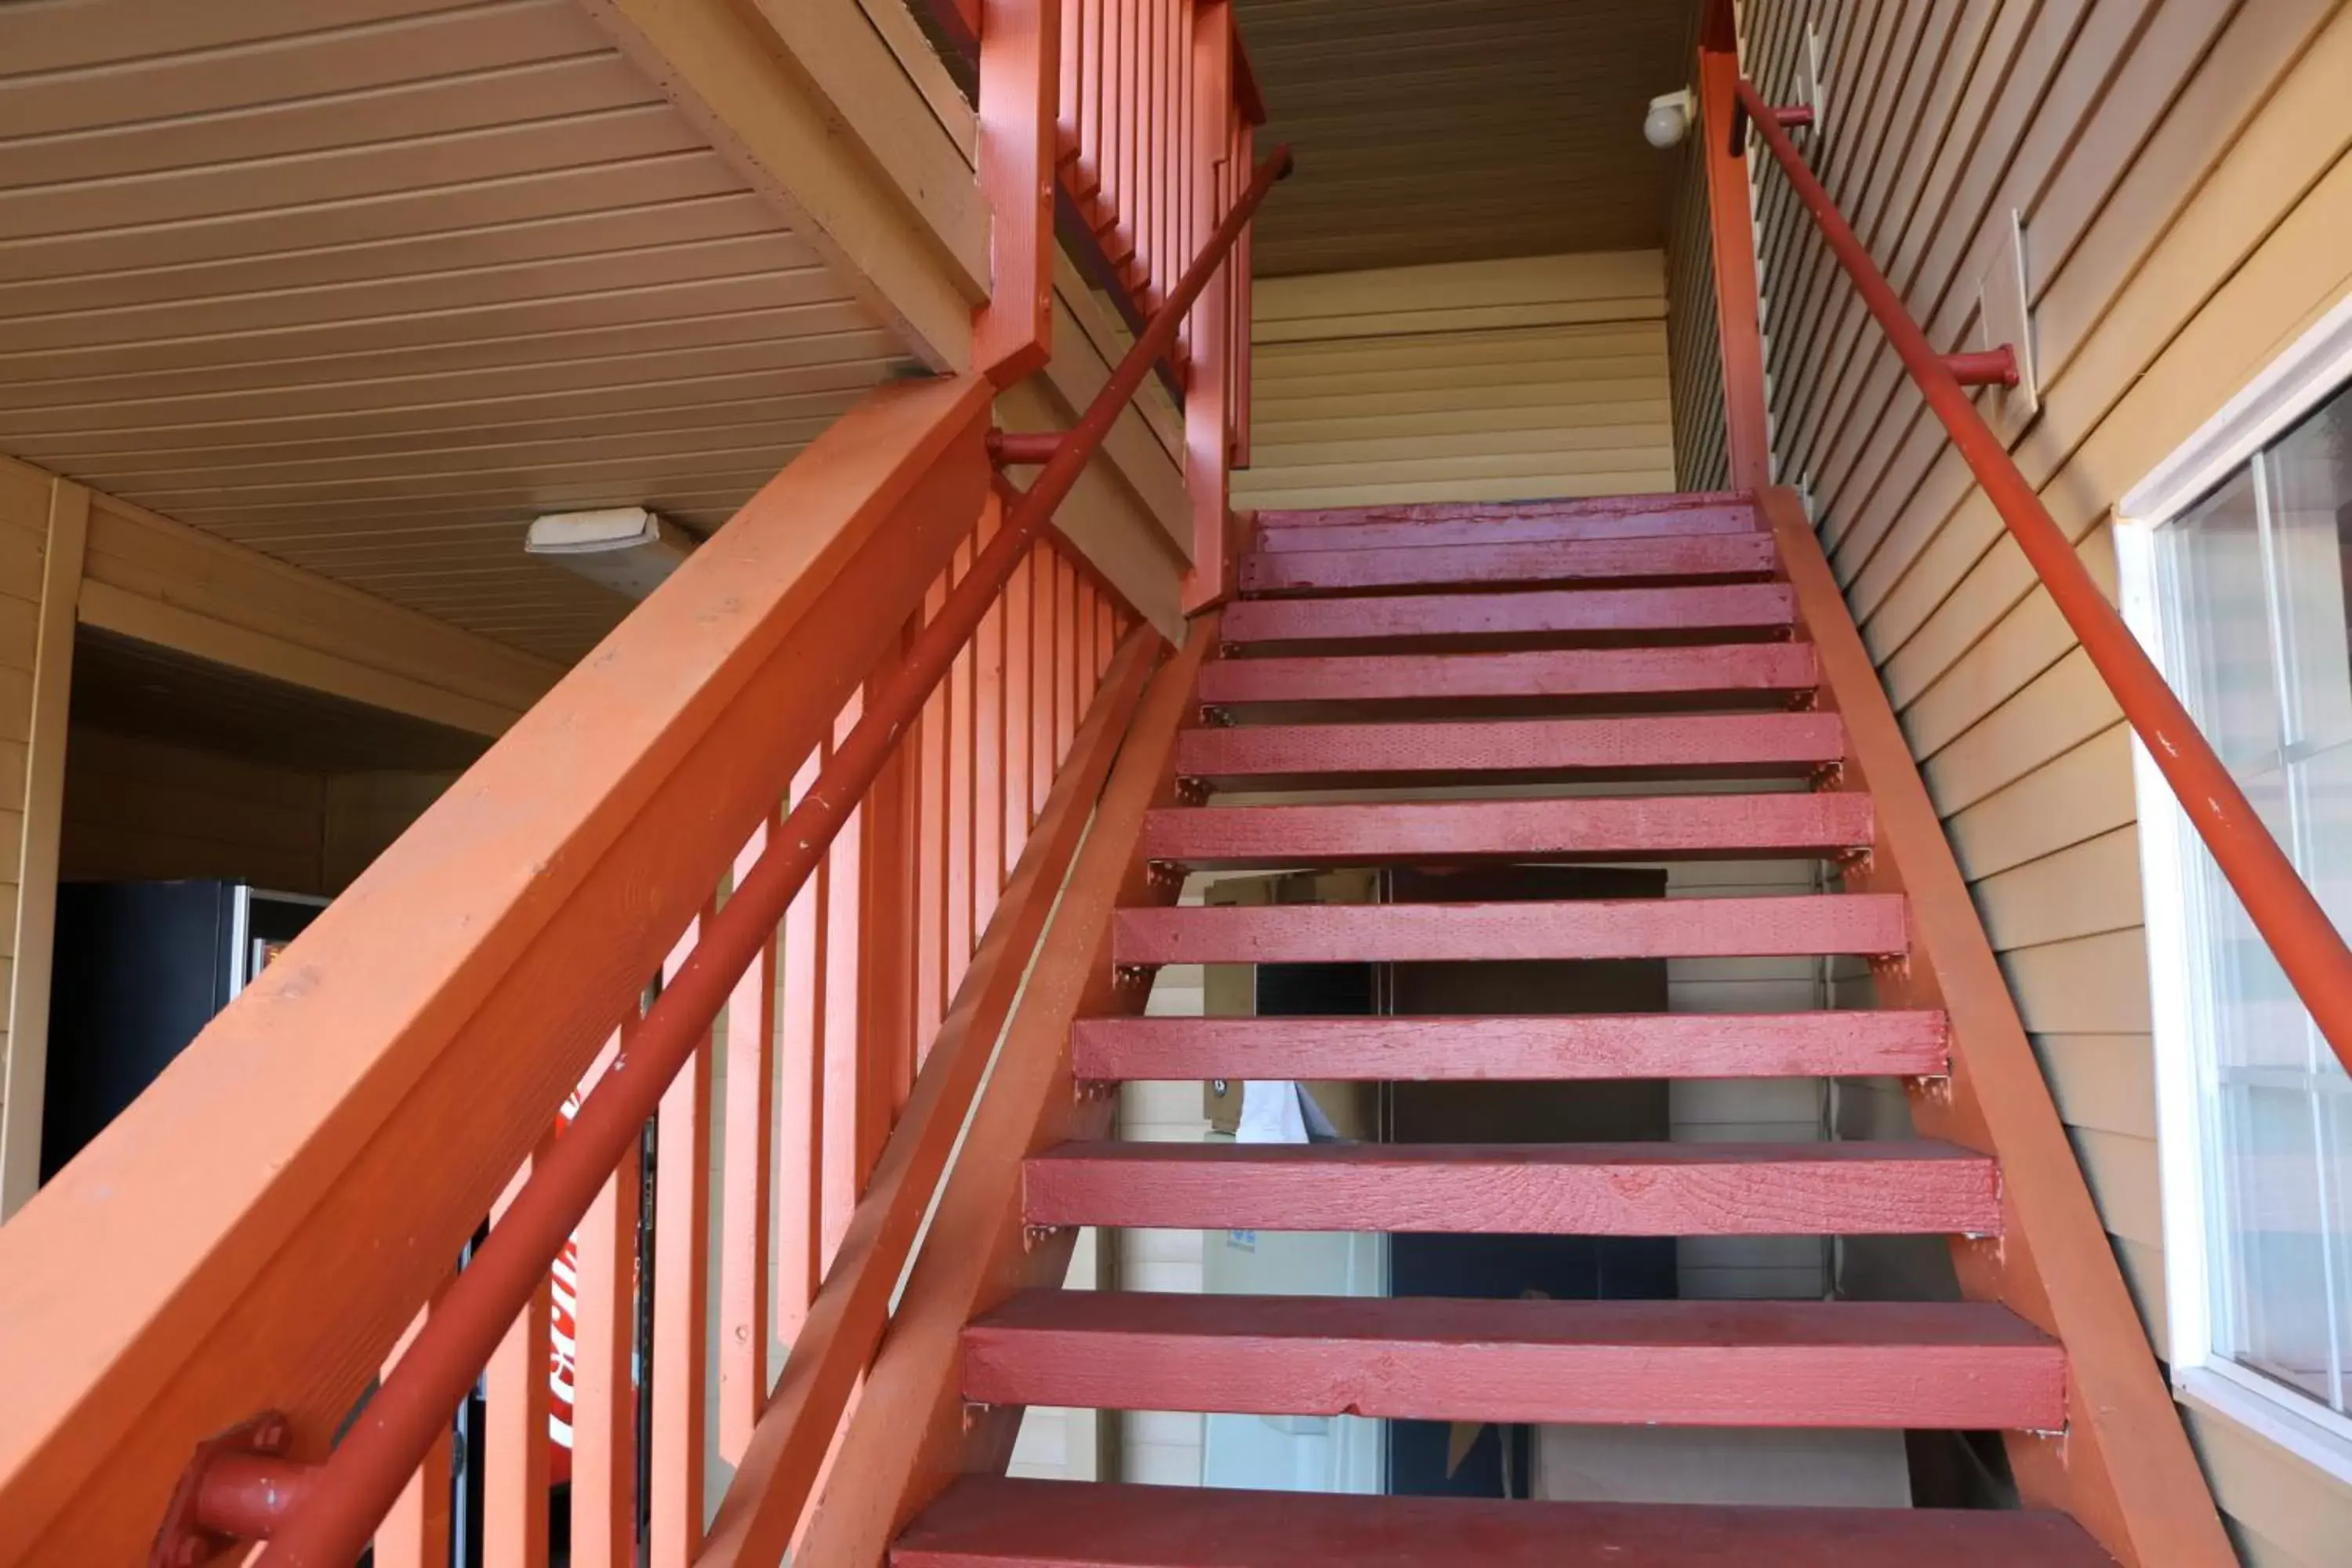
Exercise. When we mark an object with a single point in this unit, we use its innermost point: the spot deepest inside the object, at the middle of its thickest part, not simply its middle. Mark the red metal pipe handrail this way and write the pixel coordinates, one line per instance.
(2305, 942)
(361, 1480)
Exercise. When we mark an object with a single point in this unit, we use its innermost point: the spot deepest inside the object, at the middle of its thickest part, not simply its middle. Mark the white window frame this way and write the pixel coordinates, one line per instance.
(2310, 370)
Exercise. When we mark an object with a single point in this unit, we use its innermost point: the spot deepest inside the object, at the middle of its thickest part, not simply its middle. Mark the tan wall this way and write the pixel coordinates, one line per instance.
(1701, 462)
(24, 533)
(2180, 171)
(1475, 380)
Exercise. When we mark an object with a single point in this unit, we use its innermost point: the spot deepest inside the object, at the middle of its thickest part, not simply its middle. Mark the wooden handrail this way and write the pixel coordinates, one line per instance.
(2309, 949)
(383, 1443)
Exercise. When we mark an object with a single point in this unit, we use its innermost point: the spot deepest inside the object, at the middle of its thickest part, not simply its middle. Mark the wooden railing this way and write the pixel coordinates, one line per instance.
(799, 824)
(2310, 951)
(1152, 110)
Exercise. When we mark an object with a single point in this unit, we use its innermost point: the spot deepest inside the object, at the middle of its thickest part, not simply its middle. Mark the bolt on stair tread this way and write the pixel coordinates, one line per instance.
(1003, 1523)
(1905, 1187)
(1782, 925)
(1586, 611)
(1956, 1366)
(1693, 745)
(1531, 1047)
(1378, 833)
(1665, 557)
(1716, 671)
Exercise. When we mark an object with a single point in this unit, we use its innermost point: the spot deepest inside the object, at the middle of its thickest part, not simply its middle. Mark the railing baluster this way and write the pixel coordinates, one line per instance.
(886, 1035)
(747, 1191)
(988, 747)
(416, 1533)
(681, 1283)
(800, 1152)
(1130, 134)
(1020, 630)
(1114, 128)
(1146, 233)
(1041, 676)
(1066, 657)
(604, 1379)
(931, 742)
(1090, 111)
(960, 797)
(844, 1019)
(515, 1436)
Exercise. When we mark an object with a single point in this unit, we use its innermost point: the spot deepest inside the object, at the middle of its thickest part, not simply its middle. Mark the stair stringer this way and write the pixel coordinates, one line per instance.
(911, 1433)
(2123, 1466)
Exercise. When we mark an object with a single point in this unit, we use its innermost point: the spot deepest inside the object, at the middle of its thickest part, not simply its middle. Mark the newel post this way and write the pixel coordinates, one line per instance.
(1020, 73)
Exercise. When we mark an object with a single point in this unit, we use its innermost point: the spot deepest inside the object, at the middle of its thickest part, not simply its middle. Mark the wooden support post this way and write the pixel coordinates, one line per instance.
(1731, 226)
(1208, 392)
(1020, 69)
(26, 1047)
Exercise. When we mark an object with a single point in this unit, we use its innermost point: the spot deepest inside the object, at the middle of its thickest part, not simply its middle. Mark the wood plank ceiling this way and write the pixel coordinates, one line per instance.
(1456, 130)
(368, 284)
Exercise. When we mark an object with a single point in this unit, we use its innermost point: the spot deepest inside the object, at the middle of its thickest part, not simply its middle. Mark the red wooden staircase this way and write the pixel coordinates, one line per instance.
(1639, 639)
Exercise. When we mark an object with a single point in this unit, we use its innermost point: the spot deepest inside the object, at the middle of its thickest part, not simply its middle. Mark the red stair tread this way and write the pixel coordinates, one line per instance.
(1754, 670)
(1962, 1365)
(1588, 1046)
(1646, 504)
(1797, 925)
(1523, 527)
(1646, 827)
(1558, 560)
(993, 1522)
(1589, 611)
(1268, 756)
(1918, 1187)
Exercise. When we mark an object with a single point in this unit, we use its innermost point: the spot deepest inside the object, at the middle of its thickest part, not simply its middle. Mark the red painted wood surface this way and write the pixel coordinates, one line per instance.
(1651, 673)
(2127, 1471)
(1592, 1046)
(1521, 529)
(1522, 1189)
(1545, 613)
(1383, 833)
(991, 1522)
(1569, 561)
(1457, 511)
(1869, 924)
(1266, 756)
(1967, 1366)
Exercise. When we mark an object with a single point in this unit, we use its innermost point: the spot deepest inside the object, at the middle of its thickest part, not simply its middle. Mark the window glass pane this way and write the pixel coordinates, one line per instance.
(2308, 477)
(2335, 1169)
(2273, 1305)
(2255, 581)
(2220, 614)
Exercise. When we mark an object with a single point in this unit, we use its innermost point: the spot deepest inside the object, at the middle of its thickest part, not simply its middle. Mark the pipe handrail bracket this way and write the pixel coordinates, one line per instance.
(2308, 947)
(386, 1440)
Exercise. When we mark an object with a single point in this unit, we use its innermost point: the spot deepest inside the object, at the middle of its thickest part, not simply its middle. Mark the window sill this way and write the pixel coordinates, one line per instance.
(2321, 1439)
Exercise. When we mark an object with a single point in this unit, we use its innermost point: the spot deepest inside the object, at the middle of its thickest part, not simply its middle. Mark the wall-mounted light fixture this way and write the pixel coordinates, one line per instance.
(1669, 119)
(627, 548)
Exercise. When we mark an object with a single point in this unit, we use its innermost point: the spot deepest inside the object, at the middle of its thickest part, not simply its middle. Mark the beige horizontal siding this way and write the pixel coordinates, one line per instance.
(1475, 381)
(2179, 172)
